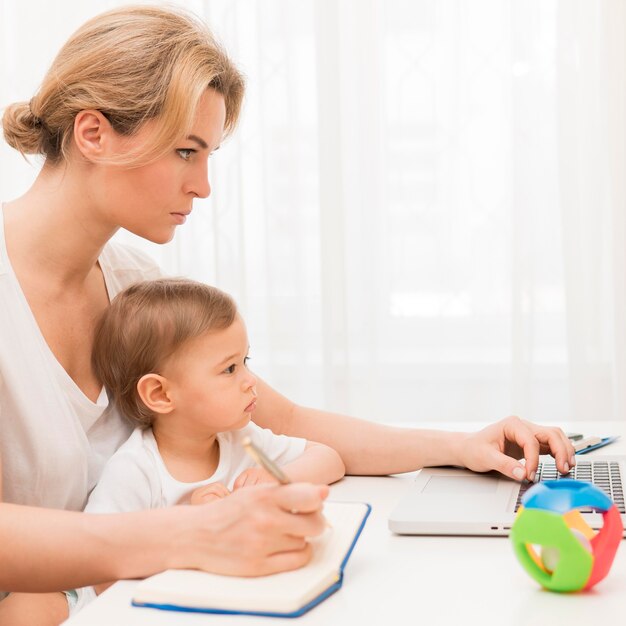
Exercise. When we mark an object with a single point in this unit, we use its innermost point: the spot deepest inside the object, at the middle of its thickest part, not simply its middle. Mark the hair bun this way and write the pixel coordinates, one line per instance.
(22, 129)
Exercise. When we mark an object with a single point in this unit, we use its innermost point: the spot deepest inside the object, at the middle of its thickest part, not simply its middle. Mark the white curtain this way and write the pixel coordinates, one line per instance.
(421, 214)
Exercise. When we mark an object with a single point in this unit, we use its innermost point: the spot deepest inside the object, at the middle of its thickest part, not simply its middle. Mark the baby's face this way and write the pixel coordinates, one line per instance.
(210, 386)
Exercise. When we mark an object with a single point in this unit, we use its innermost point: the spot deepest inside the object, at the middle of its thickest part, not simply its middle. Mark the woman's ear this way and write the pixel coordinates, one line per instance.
(153, 391)
(92, 134)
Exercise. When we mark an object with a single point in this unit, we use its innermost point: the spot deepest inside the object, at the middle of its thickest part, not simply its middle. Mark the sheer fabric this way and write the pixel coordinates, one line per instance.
(421, 214)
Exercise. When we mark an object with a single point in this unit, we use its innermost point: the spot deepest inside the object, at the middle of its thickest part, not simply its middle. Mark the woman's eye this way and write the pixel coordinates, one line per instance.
(185, 153)
(245, 360)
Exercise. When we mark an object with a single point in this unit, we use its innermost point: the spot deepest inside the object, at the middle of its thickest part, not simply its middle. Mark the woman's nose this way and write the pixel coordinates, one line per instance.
(198, 184)
(202, 187)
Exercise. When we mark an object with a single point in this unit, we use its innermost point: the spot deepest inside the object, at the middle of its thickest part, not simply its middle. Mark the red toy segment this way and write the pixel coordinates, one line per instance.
(604, 546)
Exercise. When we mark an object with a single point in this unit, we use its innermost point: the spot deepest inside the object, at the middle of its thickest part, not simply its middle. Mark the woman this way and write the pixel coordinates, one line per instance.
(126, 119)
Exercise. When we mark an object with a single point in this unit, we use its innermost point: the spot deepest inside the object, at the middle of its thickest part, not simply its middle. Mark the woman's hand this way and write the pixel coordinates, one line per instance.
(208, 493)
(255, 531)
(501, 445)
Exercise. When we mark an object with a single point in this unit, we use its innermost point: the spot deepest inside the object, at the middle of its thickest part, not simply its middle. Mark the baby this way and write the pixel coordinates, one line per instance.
(173, 355)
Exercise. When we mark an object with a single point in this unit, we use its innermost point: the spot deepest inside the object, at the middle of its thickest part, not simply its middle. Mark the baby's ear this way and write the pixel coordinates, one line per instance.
(153, 391)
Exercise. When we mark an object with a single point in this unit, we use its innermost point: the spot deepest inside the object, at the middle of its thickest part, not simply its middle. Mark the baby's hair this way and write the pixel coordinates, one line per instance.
(145, 324)
(132, 64)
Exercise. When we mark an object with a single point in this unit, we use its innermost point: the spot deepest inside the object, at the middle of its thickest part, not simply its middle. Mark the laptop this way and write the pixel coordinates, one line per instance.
(452, 501)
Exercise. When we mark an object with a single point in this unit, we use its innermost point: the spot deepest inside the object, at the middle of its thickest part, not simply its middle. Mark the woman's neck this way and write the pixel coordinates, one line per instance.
(55, 228)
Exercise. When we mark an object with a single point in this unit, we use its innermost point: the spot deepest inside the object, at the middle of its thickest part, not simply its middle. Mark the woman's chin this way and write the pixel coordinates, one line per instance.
(159, 238)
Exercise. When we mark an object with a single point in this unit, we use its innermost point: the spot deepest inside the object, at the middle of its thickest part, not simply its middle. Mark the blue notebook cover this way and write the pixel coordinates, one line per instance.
(307, 607)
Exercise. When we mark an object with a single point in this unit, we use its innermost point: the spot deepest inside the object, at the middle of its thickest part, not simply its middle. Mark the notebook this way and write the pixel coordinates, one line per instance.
(452, 501)
(287, 594)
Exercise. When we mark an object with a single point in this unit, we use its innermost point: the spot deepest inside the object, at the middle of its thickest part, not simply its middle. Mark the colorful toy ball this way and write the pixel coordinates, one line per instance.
(573, 556)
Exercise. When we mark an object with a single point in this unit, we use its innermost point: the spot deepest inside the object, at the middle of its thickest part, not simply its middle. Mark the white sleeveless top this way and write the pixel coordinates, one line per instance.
(54, 441)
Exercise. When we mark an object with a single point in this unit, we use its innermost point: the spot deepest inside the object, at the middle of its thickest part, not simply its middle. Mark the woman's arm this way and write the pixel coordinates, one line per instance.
(368, 448)
(252, 532)
(34, 609)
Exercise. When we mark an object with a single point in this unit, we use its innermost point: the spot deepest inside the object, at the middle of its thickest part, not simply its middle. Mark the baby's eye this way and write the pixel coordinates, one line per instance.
(230, 369)
(185, 153)
(245, 360)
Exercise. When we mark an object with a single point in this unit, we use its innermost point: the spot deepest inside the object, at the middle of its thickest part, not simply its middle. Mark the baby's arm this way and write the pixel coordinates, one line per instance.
(34, 609)
(318, 464)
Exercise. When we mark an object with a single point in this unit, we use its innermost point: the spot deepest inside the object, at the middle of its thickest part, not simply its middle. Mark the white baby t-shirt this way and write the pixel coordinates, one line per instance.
(136, 477)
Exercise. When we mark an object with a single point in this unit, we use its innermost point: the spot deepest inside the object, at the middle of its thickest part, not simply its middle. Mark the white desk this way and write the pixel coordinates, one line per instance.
(413, 580)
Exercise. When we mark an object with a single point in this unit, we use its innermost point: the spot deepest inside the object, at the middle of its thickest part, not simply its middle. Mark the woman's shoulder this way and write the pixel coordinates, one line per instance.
(132, 453)
(123, 257)
(129, 481)
(133, 446)
(124, 265)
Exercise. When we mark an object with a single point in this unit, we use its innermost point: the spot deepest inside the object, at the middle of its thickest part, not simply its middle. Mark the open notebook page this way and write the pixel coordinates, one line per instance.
(284, 592)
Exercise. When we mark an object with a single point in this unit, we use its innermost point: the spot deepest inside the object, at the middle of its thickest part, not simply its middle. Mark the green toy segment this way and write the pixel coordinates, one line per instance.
(540, 527)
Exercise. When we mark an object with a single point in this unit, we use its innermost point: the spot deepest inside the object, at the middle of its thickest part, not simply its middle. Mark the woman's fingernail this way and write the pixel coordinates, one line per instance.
(566, 465)
(531, 477)
(519, 472)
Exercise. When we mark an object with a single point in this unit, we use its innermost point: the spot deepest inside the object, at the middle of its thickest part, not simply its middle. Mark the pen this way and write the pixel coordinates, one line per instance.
(264, 461)
(267, 464)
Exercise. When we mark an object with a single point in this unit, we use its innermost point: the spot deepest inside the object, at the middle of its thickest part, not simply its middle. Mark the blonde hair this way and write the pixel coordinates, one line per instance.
(146, 324)
(133, 64)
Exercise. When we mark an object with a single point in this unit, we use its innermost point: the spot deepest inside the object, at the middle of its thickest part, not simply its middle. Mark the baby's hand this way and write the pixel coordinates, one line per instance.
(253, 476)
(208, 493)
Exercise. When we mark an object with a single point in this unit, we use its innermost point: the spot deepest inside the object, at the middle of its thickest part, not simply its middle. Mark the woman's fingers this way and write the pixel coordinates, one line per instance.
(301, 497)
(505, 464)
(287, 561)
(555, 442)
(517, 431)
(501, 445)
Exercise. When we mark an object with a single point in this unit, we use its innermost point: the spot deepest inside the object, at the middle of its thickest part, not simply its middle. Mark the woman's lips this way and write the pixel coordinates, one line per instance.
(250, 407)
(179, 218)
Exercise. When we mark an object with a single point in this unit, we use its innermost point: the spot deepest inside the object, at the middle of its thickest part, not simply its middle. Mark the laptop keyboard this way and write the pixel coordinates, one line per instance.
(603, 474)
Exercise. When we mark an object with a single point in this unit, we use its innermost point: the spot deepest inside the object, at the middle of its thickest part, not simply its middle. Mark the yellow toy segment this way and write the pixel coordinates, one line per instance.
(575, 520)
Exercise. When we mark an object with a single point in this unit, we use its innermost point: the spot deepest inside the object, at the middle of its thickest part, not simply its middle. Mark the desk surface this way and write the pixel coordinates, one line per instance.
(400, 580)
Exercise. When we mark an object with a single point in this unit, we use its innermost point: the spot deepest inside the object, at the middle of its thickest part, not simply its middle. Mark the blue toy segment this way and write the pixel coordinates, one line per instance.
(564, 495)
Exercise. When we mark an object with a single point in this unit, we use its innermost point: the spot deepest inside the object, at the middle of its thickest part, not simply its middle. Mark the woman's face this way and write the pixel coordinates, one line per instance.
(151, 200)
